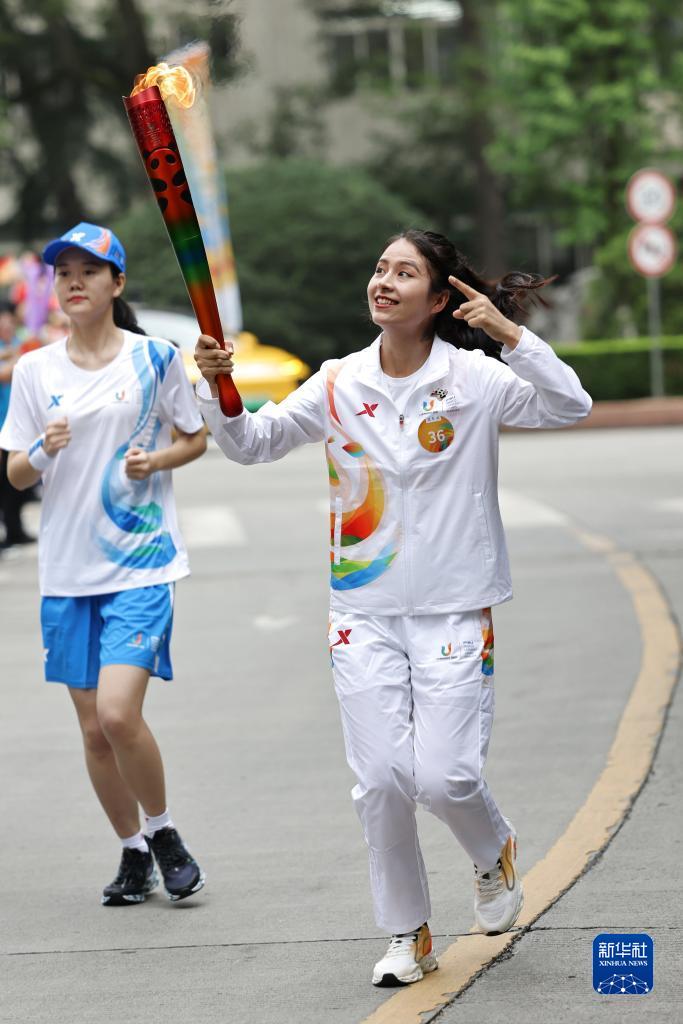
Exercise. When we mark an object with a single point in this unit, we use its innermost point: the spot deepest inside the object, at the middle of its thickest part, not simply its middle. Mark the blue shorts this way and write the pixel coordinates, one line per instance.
(129, 627)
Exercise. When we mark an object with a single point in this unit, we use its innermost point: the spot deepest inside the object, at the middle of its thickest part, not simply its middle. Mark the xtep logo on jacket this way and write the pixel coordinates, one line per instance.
(55, 400)
(368, 410)
(343, 638)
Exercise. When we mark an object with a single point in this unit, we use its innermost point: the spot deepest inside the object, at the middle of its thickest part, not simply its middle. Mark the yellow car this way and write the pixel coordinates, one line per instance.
(262, 372)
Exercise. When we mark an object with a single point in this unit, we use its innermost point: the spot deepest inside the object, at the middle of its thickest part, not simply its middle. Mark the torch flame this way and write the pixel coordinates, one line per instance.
(174, 83)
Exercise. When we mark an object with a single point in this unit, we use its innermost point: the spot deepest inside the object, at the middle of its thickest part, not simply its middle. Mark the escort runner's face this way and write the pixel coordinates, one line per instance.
(400, 290)
(84, 285)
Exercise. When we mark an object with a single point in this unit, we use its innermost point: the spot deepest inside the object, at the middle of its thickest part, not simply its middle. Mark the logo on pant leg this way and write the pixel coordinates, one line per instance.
(343, 638)
(138, 641)
(449, 652)
(341, 641)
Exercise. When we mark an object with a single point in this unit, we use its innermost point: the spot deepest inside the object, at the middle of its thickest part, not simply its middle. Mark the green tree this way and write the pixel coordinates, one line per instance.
(437, 156)
(62, 76)
(597, 94)
(587, 102)
(294, 126)
(306, 239)
(553, 108)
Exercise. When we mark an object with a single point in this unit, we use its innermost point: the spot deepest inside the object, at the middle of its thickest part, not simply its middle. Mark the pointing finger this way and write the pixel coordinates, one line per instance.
(465, 289)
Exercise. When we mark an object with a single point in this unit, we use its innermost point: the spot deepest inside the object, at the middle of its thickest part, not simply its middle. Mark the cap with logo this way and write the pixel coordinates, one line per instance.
(100, 242)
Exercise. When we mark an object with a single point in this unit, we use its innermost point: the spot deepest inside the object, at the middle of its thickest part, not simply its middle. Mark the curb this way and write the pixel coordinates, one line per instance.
(637, 412)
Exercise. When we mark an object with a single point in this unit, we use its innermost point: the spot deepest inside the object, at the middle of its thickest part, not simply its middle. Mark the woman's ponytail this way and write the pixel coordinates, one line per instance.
(125, 318)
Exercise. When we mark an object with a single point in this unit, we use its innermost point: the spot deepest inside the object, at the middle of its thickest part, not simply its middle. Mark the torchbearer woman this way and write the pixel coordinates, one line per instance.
(92, 416)
(418, 558)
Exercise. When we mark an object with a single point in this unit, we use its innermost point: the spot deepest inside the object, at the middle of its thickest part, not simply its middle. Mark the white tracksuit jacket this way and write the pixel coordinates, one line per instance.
(415, 524)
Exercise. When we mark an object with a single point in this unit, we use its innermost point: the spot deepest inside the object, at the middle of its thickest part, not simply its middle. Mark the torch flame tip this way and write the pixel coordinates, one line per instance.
(173, 82)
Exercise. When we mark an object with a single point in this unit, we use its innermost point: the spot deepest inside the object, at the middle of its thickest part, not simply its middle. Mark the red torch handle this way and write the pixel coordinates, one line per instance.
(209, 320)
(153, 133)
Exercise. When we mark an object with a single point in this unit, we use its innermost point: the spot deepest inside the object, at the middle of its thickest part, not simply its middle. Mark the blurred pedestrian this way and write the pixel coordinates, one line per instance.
(34, 293)
(92, 415)
(418, 557)
(11, 500)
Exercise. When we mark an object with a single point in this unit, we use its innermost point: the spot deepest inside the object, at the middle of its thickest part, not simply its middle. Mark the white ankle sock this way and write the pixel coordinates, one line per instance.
(136, 842)
(160, 821)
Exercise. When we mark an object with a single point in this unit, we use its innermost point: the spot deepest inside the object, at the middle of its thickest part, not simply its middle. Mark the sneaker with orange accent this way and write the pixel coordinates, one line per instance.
(498, 895)
(408, 958)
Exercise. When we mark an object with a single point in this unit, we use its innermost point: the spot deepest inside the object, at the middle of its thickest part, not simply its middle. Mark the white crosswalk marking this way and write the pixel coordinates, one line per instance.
(268, 623)
(209, 526)
(670, 505)
(518, 511)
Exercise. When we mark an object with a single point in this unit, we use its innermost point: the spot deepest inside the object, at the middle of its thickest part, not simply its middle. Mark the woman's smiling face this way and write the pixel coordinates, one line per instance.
(400, 292)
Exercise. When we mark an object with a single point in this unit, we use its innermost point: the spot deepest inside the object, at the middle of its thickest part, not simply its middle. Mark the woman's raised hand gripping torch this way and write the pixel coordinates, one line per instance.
(159, 150)
(213, 360)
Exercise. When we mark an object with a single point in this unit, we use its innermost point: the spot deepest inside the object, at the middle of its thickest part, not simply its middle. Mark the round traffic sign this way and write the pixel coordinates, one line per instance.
(652, 249)
(650, 196)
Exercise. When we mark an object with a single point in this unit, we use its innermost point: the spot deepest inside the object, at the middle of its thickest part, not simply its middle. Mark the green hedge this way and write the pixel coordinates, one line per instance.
(612, 370)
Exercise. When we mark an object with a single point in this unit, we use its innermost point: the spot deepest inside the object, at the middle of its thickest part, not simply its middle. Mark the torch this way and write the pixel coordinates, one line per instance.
(155, 139)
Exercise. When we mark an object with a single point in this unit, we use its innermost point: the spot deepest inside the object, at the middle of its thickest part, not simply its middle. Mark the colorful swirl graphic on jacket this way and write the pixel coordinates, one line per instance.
(134, 506)
(356, 480)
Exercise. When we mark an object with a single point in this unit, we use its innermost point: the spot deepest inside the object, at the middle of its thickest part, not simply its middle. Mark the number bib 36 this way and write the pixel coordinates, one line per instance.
(435, 433)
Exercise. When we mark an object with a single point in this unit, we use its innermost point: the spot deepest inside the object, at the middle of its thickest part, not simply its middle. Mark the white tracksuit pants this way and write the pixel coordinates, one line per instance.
(416, 699)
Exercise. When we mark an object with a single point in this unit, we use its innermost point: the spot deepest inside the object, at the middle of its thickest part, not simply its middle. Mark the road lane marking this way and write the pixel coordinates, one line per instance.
(627, 767)
(211, 526)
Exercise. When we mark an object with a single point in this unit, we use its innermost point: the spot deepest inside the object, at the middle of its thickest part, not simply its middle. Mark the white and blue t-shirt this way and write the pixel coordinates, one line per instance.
(100, 531)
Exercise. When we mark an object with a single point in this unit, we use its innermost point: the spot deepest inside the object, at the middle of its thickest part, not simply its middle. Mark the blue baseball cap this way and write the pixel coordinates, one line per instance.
(100, 242)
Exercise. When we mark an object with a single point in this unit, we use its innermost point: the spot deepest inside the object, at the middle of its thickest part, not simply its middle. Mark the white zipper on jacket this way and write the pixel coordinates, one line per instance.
(404, 516)
(401, 476)
(373, 385)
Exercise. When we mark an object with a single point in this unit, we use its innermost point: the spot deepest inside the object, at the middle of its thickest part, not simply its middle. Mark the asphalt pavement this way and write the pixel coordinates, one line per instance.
(283, 931)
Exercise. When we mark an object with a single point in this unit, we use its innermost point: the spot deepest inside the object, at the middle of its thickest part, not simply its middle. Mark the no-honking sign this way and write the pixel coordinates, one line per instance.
(652, 249)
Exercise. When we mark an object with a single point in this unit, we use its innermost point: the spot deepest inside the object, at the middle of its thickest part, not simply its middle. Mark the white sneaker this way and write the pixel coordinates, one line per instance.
(408, 959)
(498, 895)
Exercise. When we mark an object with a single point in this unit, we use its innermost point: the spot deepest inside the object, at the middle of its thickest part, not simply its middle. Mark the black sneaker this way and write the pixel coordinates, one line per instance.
(136, 879)
(182, 875)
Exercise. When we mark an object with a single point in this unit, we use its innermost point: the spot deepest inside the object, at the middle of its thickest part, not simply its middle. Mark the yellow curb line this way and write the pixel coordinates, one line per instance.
(628, 764)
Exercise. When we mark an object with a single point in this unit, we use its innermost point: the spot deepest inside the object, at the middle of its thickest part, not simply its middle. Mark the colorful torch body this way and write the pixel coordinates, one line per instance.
(155, 139)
